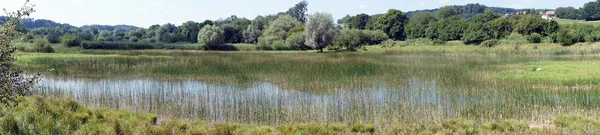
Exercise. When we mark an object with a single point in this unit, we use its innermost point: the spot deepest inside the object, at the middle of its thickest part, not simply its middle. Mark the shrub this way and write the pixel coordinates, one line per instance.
(374, 37)
(296, 41)
(70, 40)
(490, 43)
(566, 38)
(534, 38)
(133, 39)
(388, 43)
(211, 37)
(42, 45)
(53, 37)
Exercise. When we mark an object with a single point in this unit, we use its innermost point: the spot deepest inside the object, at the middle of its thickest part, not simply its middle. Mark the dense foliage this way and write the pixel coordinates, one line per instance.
(14, 84)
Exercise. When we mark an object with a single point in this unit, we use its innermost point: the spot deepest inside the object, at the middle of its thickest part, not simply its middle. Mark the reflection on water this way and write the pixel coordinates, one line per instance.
(268, 103)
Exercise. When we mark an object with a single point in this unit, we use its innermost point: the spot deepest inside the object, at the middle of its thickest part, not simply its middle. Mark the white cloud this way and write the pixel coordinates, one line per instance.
(363, 6)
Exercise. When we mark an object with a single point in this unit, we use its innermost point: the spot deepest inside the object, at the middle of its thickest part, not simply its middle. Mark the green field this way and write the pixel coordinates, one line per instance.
(568, 22)
(529, 89)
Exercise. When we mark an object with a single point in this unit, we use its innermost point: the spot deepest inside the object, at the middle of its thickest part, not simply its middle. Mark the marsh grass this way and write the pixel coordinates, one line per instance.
(37, 115)
(423, 84)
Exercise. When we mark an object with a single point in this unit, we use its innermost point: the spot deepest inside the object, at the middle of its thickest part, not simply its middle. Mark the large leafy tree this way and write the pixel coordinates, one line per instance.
(446, 12)
(299, 11)
(165, 33)
(527, 24)
(211, 37)
(392, 23)
(189, 31)
(359, 22)
(13, 82)
(592, 10)
(417, 25)
(251, 34)
(278, 29)
(319, 30)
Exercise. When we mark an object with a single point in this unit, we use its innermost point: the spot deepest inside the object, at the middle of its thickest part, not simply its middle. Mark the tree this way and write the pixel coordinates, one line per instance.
(211, 37)
(105, 36)
(70, 40)
(138, 33)
(251, 34)
(350, 39)
(299, 11)
(565, 37)
(117, 35)
(488, 16)
(417, 25)
(528, 24)
(165, 33)
(476, 33)
(278, 29)
(296, 41)
(319, 30)
(53, 37)
(189, 31)
(500, 28)
(151, 33)
(446, 12)
(446, 29)
(392, 23)
(359, 22)
(534, 38)
(14, 84)
(42, 45)
(568, 13)
(591, 11)
(86, 34)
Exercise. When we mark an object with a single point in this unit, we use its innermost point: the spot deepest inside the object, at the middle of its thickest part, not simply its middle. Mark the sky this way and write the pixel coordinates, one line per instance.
(143, 13)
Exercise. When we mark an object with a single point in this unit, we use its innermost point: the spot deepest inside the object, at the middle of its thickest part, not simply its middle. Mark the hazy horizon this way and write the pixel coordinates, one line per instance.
(142, 13)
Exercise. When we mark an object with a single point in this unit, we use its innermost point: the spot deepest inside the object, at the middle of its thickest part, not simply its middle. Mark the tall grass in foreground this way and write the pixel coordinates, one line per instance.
(45, 116)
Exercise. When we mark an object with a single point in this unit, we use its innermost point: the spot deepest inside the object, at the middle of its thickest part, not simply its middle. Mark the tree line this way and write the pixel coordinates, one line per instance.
(296, 30)
(589, 12)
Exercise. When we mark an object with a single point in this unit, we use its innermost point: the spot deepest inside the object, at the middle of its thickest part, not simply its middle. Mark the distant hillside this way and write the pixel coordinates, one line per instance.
(122, 28)
(31, 23)
(469, 10)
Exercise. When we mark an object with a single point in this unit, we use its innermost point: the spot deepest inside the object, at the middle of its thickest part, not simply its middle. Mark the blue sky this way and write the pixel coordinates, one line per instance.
(147, 12)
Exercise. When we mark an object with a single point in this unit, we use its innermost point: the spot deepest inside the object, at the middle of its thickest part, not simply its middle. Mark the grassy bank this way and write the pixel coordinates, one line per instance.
(36, 115)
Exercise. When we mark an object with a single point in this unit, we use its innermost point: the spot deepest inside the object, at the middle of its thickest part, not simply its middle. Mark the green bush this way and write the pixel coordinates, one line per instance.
(42, 45)
(388, 43)
(53, 37)
(70, 40)
(374, 37)
(534, 38)
(490, 43)
(133, 39)
(566, 37)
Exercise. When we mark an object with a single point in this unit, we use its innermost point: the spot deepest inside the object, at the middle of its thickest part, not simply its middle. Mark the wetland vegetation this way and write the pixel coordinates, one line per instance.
(461, 70)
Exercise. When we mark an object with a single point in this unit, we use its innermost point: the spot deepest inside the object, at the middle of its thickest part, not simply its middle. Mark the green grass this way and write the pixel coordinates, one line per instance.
(37, 115)
(560, 72)
(569, 22)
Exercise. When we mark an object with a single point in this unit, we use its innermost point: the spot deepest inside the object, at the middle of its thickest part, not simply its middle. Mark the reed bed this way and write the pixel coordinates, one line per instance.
(405, 84)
